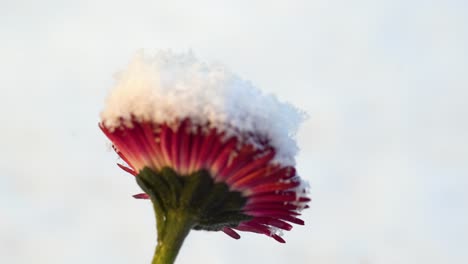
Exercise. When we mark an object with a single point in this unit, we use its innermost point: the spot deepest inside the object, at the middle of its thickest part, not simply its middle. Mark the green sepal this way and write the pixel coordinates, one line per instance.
(196, 186)
(211, 205)
(175, 184)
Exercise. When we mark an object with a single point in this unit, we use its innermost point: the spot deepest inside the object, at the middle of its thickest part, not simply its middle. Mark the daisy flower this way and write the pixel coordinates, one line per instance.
(208, 149)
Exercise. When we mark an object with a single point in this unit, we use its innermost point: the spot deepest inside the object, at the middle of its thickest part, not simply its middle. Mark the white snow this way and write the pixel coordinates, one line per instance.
(166, 87)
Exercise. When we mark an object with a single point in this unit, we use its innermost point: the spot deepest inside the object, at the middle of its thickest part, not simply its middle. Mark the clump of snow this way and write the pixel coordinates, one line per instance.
(276, 231)
(165, 87)
(302, 190)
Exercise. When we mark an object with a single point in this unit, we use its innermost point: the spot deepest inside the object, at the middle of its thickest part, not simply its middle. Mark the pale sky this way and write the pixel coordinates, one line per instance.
(384, 150)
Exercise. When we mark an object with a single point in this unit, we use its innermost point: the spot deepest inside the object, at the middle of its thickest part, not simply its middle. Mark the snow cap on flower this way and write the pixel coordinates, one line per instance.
(165, 87)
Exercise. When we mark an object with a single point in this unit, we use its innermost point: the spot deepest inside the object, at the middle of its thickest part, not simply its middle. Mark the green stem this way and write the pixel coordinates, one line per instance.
(177, 225)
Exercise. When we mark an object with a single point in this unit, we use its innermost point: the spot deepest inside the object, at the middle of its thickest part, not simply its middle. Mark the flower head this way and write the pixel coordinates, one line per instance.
(199, 138)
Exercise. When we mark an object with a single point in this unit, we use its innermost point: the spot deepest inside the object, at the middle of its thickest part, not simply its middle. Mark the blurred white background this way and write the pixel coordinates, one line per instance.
(385, 149)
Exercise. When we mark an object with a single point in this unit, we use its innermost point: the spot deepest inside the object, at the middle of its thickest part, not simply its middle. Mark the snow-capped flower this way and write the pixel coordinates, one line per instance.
(209, 149)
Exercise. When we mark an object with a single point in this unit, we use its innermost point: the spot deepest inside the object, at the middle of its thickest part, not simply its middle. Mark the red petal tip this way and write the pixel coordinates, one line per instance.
(228, 231)
(141, 196)
(278, 238)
